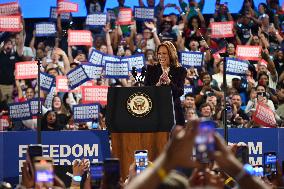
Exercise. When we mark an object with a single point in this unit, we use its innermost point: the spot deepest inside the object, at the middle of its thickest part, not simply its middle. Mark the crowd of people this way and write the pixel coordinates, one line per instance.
(189, 31)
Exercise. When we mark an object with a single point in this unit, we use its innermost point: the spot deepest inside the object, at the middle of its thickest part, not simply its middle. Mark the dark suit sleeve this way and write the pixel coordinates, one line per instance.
(177, 82)
(148, 81)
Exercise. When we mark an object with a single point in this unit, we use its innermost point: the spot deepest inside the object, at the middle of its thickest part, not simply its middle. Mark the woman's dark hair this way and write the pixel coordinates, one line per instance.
(190, 22)
(243, 9)
(44, 123)
(261, 74)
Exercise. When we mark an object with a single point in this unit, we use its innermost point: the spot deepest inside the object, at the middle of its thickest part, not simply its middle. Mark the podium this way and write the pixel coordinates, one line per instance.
(139, 118)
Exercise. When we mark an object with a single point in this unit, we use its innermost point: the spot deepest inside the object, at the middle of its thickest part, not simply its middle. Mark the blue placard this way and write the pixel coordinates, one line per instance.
(34, 106)
(77, 77)
(20, 111)
(49, 97)
(236, 66)
(65, 17)
(86, 112)
(109, 58)
(46, 81)
(96, 57)
(93, 71)
(63, 146)
(137, 61)
(96, 20)
(187, 89)
(144, 13)
(191, 59)
(116, 69)
(45, 29)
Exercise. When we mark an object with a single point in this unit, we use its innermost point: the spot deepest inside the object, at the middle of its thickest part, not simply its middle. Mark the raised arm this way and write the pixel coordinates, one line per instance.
(152, 27)
(108, 40)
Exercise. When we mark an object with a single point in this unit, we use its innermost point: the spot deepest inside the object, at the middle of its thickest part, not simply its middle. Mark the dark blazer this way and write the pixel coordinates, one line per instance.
(177, 76)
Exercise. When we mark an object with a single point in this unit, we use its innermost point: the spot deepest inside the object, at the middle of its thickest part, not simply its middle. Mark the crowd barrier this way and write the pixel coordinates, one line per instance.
(66, 146)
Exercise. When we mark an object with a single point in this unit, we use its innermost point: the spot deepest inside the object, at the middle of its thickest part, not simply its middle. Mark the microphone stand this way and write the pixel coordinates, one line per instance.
(39, 104)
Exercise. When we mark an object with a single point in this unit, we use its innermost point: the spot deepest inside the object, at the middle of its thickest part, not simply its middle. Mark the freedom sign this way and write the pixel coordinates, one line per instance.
(248, 52)
(46, 81)
(26, 70)
(49, 97)
(10, 23)
(65, 6)
(65, 16)
(264, 116)
(45, 29)
(86, 112)
(62, 84)
(125, 16)
(92, 71)
(80, 37)
(116, 69)
(4, 122)
(137, 61)
(77, 77)
(187, 89)
(109, 58)
(236, 67)
(20, 111)
(222, 29)
(191, 59)
(9, 9)
(96, 57)
(95, 94)
(96, 20)
(144, 13)
(34, 106)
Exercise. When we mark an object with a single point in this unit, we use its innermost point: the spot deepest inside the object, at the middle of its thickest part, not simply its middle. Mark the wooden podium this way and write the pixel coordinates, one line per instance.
(139, 118)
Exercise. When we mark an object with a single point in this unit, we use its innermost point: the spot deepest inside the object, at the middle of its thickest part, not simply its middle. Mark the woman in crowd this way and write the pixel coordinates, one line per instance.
(168, 72)
(58, 107)
(50, 122)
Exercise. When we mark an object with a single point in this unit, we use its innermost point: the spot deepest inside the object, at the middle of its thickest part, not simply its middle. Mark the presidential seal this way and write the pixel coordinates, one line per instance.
(139, 104)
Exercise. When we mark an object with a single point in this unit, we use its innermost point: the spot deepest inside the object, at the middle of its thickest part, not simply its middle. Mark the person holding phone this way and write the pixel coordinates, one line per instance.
(168, 72)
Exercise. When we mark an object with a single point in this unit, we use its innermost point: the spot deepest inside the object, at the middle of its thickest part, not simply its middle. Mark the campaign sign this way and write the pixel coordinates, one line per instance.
(116, 69)
(34, 106)
(4, 122)
(144, 13)
(46, 81)
(222, 29)
(65, 16)
(49, 97)
(45, 29)
(26, 70)
(217, 54)
(85, 112)
(20, 111)
(264, 116)
(109, 58)
(93, 71)
(137, 61)
(9, 9)
(110, 15)
(125, 16)
(96, 20)
(77, 77)
(11, 23)
(94, 94)
(65, 6)
(80, 37)
(191, 59)
(61, 84)
(236, 67)
(96, 57)
(187, 89)
(246, 52)
(92, 145)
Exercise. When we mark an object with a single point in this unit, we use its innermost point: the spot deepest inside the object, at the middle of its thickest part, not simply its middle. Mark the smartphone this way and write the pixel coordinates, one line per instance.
(141, 160)
(242, 154)
(258, 170)
(204, 141)
(44, 174)
(97, 173)
(112, 172)
(34, 150)
(270, 163)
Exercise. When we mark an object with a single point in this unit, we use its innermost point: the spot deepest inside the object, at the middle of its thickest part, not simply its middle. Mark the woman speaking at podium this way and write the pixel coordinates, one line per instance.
(168, 72)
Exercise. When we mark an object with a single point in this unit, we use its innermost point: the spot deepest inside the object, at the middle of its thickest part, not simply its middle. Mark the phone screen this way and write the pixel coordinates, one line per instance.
(258, 170)
(270, 160)
(204, 141)
(97, 172)
(44, 175)
(35, 150)
(112, 171)
(242, 154)
(141, 160)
